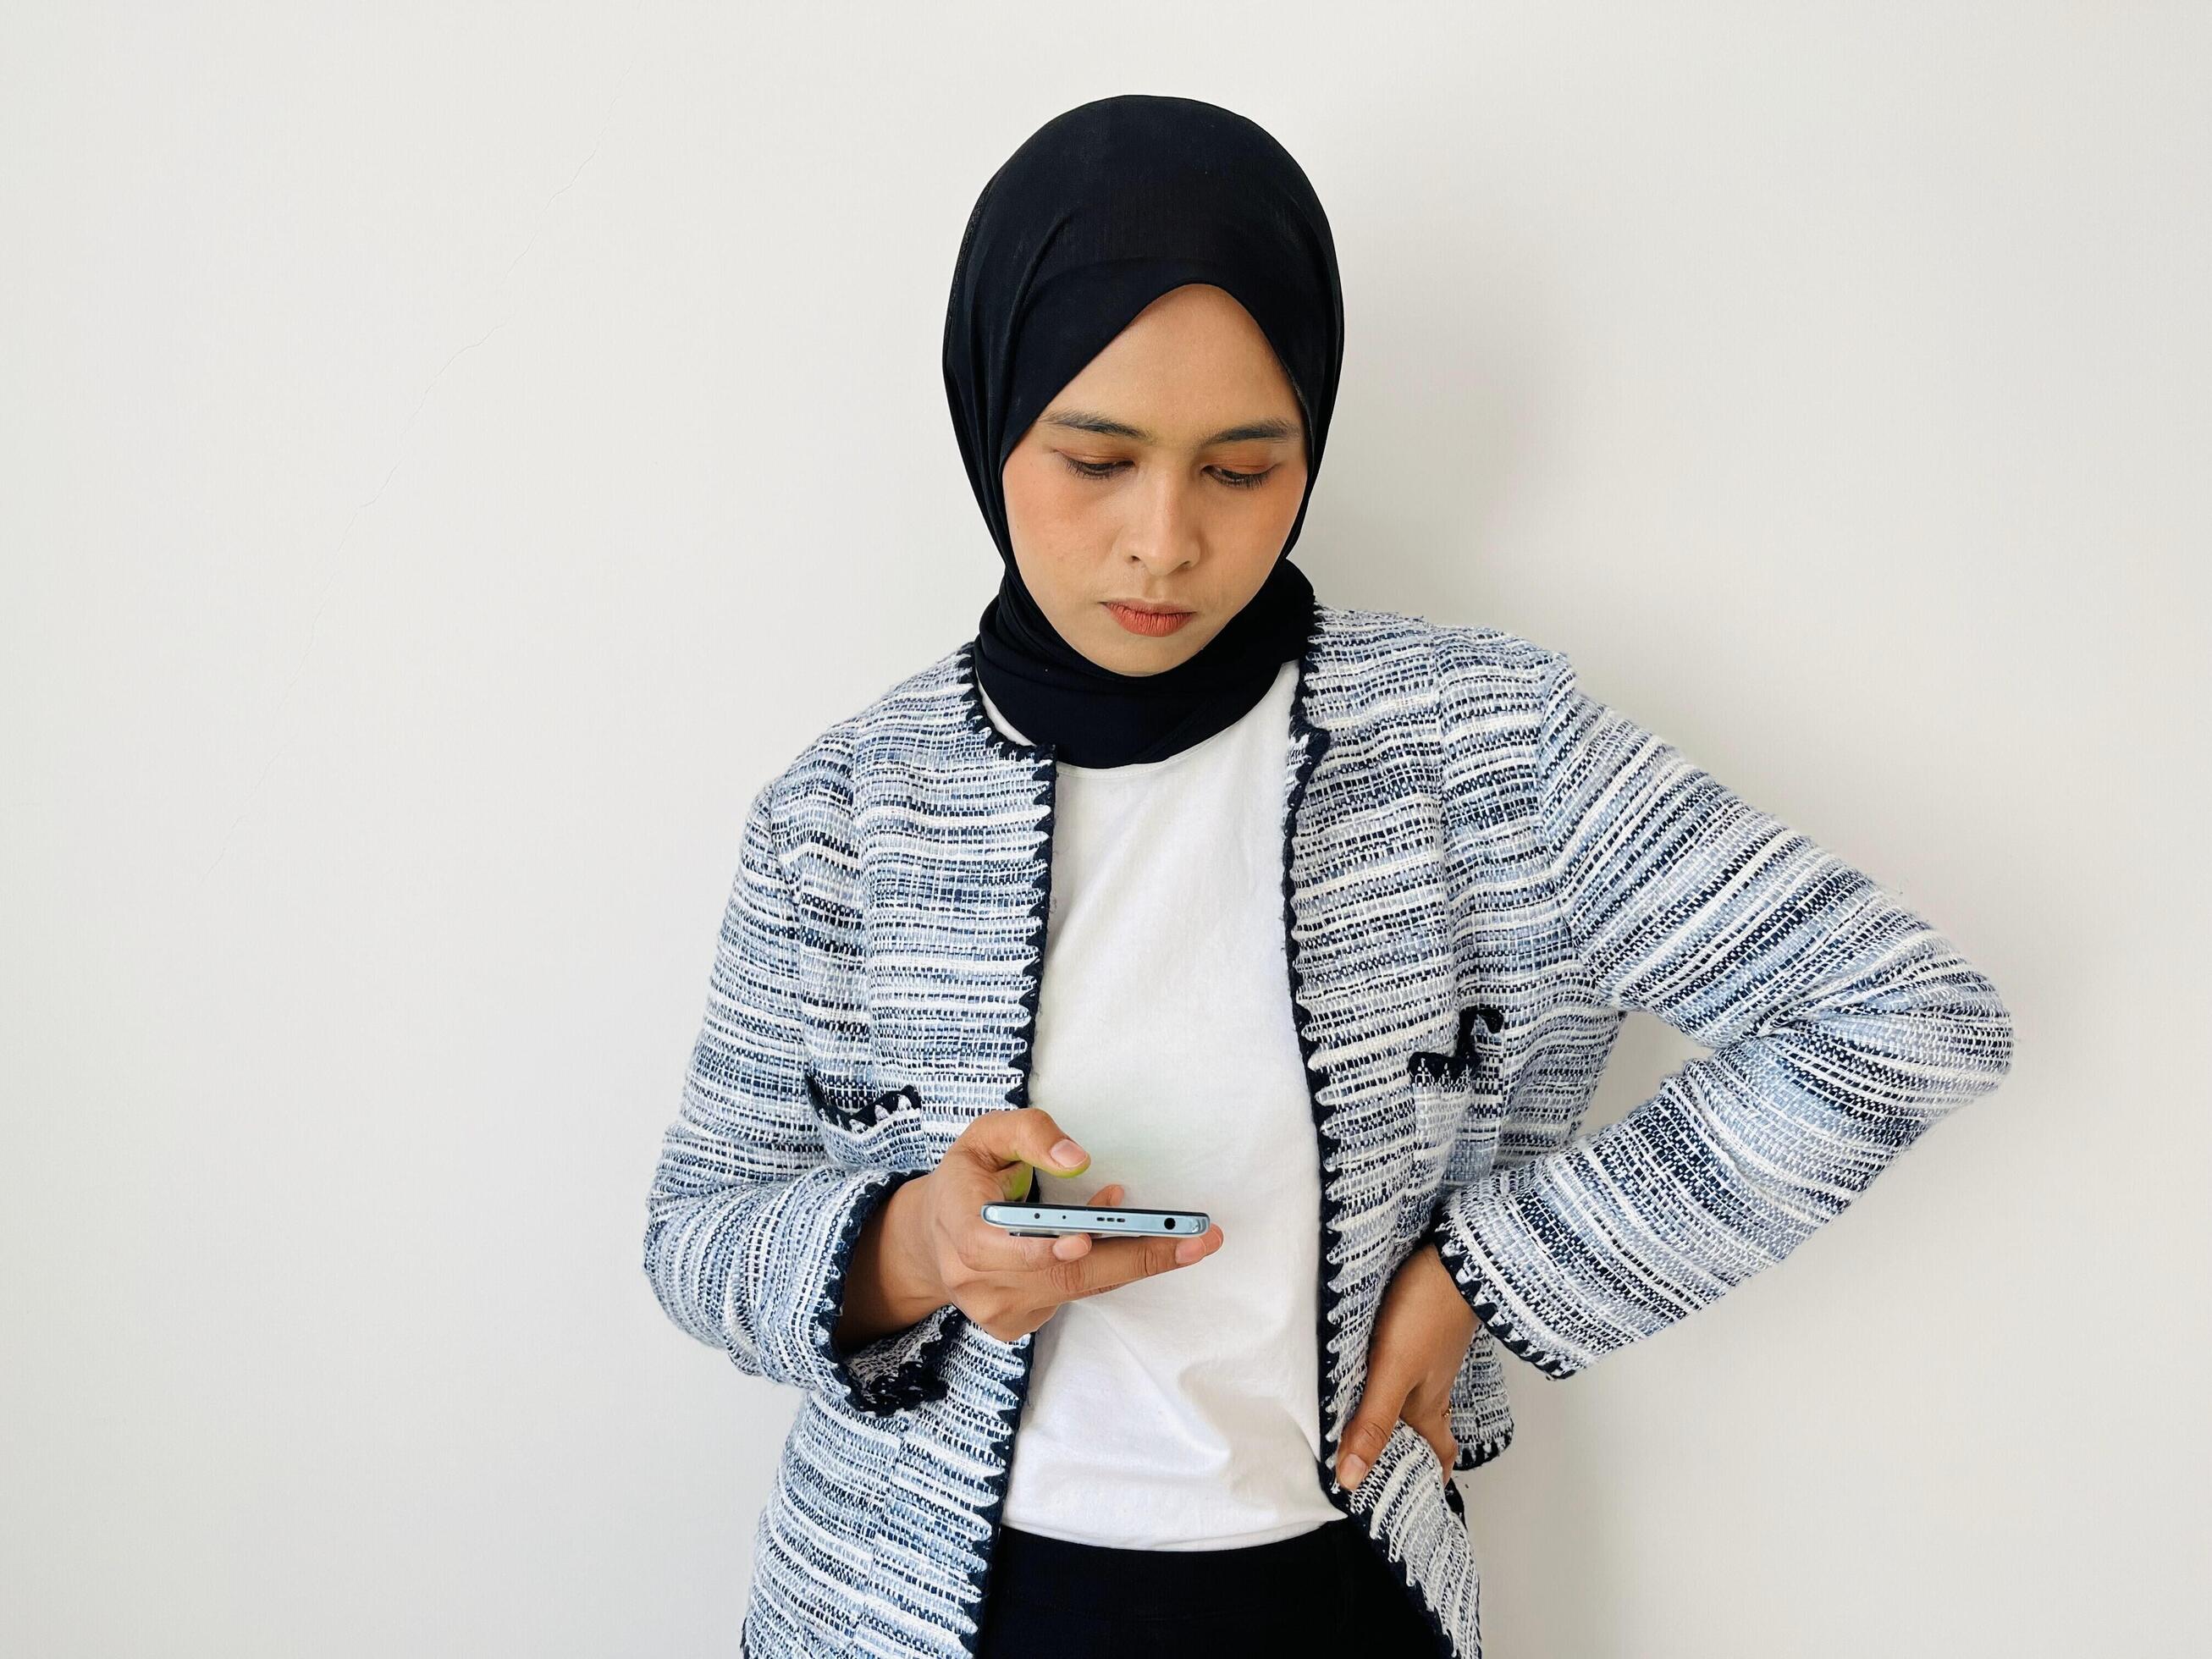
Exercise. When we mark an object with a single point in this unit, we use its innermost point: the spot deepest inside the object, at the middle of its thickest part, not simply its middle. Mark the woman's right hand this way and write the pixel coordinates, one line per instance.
(934, 1228)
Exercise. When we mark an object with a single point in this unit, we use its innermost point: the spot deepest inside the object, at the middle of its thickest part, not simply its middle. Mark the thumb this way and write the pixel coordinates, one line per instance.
(1370, 1426)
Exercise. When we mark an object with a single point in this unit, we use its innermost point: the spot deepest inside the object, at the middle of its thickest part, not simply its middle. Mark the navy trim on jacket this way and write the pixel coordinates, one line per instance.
(1485, 870)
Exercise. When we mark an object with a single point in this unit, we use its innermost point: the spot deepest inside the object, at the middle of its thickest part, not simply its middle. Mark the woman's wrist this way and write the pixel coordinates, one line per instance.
(888, 1286)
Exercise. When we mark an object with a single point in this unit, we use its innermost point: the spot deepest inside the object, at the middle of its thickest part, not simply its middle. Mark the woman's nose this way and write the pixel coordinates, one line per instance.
(1165, 533)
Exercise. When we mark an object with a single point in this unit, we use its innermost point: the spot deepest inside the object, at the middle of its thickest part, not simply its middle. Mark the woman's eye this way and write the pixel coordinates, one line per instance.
(1104, 470)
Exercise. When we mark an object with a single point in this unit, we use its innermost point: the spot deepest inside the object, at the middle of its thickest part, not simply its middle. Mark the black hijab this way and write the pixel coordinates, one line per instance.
(1102, 210)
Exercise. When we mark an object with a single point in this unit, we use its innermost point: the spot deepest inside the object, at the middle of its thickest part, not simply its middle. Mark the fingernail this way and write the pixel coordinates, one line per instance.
(1070, 1156)
(1349, 1468)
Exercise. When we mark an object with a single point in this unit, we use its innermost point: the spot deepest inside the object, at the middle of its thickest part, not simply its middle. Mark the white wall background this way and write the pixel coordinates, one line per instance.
(452, 456)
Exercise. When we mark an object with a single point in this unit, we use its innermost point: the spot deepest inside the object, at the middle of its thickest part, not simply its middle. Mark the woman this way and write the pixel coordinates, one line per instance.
(1321, 920)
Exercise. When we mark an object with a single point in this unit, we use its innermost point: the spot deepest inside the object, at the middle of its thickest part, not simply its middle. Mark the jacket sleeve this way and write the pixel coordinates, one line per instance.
(750, 1227)
(1842, 1025)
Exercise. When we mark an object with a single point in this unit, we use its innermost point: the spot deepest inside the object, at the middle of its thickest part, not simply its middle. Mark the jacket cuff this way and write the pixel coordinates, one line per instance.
(1455, 1233)
(900, 1368)
(1481, 1416)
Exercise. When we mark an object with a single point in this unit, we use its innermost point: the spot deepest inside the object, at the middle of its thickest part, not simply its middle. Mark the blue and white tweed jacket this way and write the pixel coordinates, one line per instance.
(1484, 869)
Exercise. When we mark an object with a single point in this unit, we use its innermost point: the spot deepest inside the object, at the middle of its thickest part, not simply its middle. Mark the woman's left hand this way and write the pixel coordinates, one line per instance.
(1421, 1338)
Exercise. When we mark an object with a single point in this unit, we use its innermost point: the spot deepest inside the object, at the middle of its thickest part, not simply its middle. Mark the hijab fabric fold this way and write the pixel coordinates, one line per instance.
(1102, 210)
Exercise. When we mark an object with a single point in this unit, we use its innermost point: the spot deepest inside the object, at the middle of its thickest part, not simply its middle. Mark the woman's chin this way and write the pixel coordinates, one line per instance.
(1125, 654)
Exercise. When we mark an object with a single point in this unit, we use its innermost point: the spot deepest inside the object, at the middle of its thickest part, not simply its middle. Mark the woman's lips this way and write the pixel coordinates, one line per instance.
(1148, 621)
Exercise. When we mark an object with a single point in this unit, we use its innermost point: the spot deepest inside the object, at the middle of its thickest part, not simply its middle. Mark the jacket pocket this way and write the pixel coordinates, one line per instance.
(1458, 1102)
(1407, 1478)
(867, 1127)
(1473, 1047)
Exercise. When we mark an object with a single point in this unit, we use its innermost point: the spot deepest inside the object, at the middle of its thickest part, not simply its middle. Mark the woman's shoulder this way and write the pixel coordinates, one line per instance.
(1388, 657)
(923, 694)
(913, 715)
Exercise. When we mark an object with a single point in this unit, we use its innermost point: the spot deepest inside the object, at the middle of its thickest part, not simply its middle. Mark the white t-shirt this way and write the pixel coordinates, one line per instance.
(1179, 1411)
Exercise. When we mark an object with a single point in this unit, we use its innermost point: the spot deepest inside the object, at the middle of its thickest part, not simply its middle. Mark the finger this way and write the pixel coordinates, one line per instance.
(1113, 1262)
(1365, 1434)
(1075, 1245)
(989, 1247)
(999, 1143)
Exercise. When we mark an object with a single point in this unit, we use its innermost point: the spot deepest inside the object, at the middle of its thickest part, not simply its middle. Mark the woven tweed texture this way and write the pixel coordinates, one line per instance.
(1485, 870)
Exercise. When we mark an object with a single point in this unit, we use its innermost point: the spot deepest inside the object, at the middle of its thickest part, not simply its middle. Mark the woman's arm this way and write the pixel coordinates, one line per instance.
(1842, 1024)
(884, 1290)
(750, 1231)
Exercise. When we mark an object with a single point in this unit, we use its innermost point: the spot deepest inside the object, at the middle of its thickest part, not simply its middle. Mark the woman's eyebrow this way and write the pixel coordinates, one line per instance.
(1105, 426)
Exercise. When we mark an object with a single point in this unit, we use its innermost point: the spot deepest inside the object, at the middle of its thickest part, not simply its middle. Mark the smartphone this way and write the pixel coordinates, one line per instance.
(1052, 1220)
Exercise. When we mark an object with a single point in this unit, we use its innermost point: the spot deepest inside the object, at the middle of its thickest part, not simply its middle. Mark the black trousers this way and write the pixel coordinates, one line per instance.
(1325, 1591)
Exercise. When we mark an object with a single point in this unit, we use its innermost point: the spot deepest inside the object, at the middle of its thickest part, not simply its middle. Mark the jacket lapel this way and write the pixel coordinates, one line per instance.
(953, 831)
(952, 834)
(1371, 964)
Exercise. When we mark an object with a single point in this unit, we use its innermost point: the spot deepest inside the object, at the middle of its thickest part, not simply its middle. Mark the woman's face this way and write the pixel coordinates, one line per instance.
(1165, 476)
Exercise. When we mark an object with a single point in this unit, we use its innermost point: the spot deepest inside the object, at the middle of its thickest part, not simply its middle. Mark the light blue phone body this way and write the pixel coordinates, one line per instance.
(1026, 1220)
